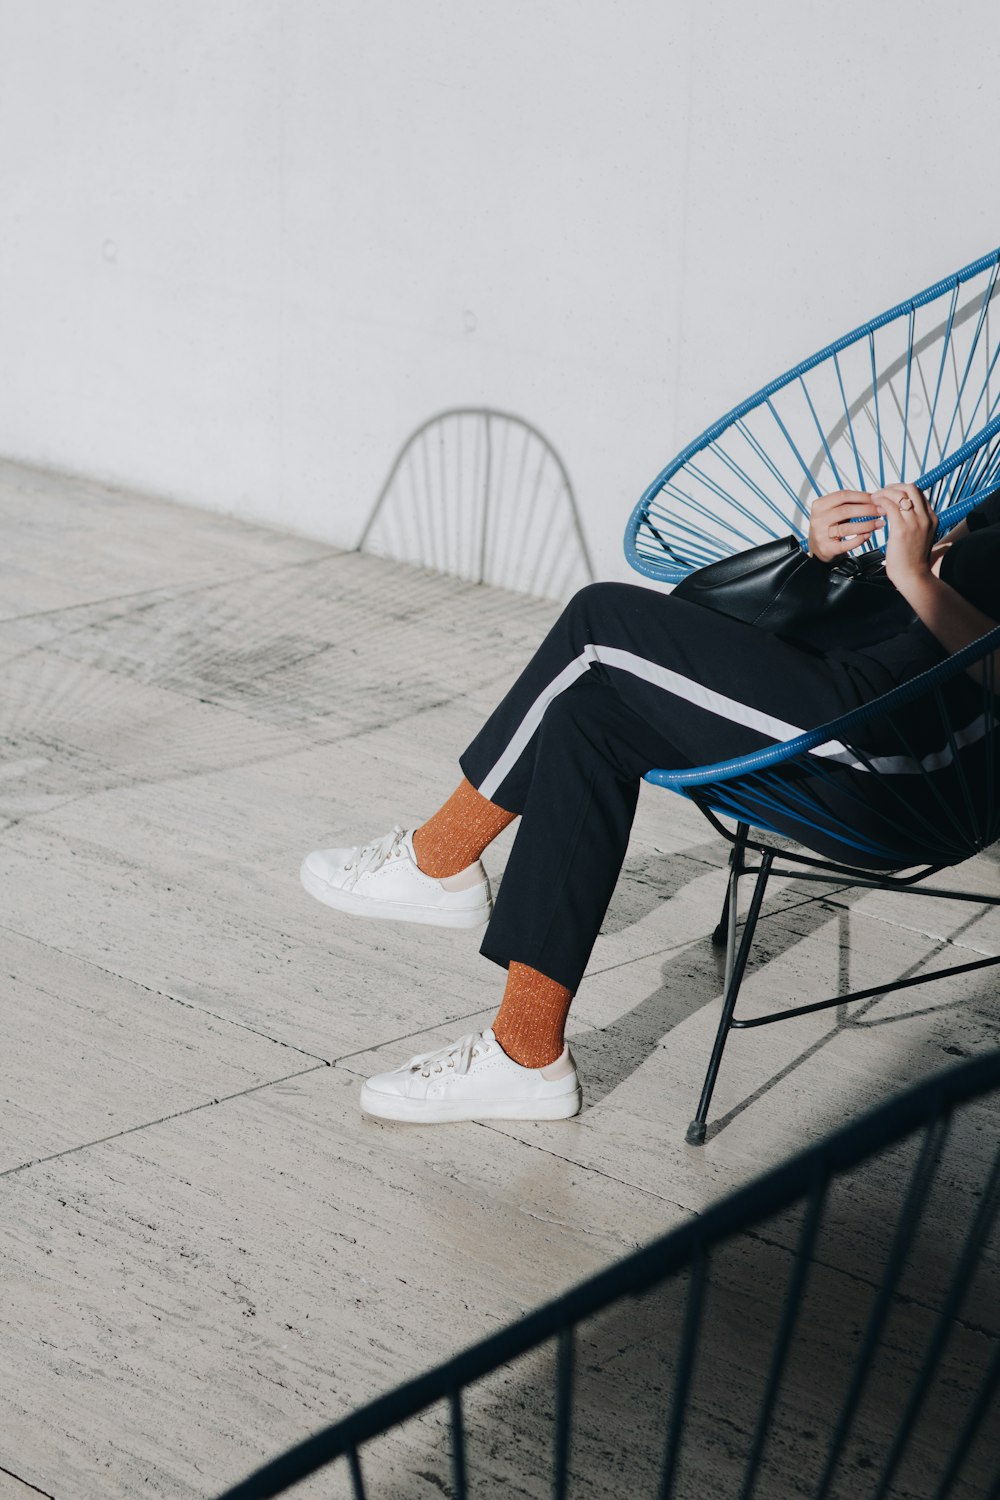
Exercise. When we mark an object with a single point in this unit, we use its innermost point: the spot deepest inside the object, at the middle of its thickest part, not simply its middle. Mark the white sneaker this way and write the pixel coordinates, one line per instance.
(473, 1079)
(383, 879)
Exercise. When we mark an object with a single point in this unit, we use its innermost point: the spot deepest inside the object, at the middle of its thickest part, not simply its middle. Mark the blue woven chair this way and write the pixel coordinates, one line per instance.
(912, 395)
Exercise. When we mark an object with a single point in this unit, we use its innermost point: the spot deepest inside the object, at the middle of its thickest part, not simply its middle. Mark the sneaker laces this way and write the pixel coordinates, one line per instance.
(368, 857)
(455, 1056)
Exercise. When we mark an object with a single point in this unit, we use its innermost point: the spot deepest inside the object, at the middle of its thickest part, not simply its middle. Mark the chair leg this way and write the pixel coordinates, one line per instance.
(729, 920)
(696, 1130)
(726, 931)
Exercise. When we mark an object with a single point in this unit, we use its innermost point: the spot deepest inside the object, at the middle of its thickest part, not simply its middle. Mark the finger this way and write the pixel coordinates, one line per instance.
(852, 507)
(889, 494)
(917, 499)
(851, 512)
(841, 545)
(914, 512)
(831, 502)
(853, 516)
(842, 531)
(854, 535)
(892, 494)
(904, 496)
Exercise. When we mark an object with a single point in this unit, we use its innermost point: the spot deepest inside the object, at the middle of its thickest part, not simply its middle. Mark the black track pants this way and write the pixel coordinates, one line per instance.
(627, 679)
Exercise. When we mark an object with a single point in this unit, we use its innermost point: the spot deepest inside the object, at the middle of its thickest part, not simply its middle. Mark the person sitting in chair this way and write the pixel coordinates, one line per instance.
(626, 680)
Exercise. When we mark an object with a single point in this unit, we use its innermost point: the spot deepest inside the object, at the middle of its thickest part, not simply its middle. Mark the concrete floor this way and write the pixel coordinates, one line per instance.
(207, 1252)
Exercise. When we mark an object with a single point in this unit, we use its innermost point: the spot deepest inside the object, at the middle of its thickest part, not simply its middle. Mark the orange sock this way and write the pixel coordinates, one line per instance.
(457, 834)
(532, 1015)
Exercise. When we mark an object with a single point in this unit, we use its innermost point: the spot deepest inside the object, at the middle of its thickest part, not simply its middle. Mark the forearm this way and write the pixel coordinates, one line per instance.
(912, 564)
(939, 549)
(952, 620)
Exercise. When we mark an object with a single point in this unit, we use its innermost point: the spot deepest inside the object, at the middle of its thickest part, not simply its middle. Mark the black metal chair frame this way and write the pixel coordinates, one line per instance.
(752, 476)
(723, 787)
(823, 872)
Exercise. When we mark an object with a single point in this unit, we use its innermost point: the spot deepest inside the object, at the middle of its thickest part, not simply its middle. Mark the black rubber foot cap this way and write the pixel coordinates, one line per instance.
(695, 1133)
(721, 935)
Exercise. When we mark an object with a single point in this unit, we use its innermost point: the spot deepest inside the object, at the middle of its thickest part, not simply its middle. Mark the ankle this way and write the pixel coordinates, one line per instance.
(455, 837)
(424, 853)
(530, 1023)
(527, 1055)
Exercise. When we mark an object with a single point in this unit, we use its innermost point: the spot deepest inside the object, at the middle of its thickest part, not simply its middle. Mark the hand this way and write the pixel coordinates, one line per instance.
(839, 522)
(912, 525)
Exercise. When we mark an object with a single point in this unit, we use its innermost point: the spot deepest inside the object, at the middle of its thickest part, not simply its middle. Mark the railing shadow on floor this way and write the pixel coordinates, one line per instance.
(832, 1329)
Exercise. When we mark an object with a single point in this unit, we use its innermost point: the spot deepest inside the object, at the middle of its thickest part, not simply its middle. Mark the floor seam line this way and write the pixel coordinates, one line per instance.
(406, 1035)
(639, 958)
(184, 591)
(157, 594)
(27, 1483)
(166, 995)
(176, 778)
(933, 937)
(177, 1114)
(861, 1278)
(586, 1167)
(700, 937)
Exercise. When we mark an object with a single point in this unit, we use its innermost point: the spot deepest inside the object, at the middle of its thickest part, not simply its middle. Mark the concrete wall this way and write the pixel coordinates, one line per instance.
(248, 245)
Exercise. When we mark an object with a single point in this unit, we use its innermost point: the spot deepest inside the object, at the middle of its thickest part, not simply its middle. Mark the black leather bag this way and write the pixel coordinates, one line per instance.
(779, 588)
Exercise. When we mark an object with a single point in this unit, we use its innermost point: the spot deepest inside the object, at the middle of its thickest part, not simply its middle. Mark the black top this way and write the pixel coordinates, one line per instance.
(986, 513)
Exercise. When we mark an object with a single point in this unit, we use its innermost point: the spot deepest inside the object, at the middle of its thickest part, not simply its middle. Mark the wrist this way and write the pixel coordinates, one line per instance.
(915, 584)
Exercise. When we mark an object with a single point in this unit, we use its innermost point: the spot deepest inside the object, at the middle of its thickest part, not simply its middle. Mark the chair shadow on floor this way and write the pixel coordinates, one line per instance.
(693, 977)
(482, 495)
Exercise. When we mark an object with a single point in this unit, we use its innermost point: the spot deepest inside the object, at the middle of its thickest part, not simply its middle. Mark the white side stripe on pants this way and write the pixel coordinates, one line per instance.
(777, 730)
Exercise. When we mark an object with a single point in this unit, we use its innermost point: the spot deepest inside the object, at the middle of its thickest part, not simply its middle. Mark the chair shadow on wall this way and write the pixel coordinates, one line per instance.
(941, 369)
(482, 495)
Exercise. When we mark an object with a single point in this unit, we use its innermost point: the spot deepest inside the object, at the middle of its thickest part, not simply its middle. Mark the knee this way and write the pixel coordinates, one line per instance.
(581, 733)
(598, 600)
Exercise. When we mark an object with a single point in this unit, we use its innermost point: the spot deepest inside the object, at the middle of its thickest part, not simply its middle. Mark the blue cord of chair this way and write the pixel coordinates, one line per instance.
(970, 452)
(975, 268)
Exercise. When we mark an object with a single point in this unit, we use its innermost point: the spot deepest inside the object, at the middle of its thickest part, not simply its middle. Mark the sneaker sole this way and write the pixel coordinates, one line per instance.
(440, 1112)
(364, 906)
